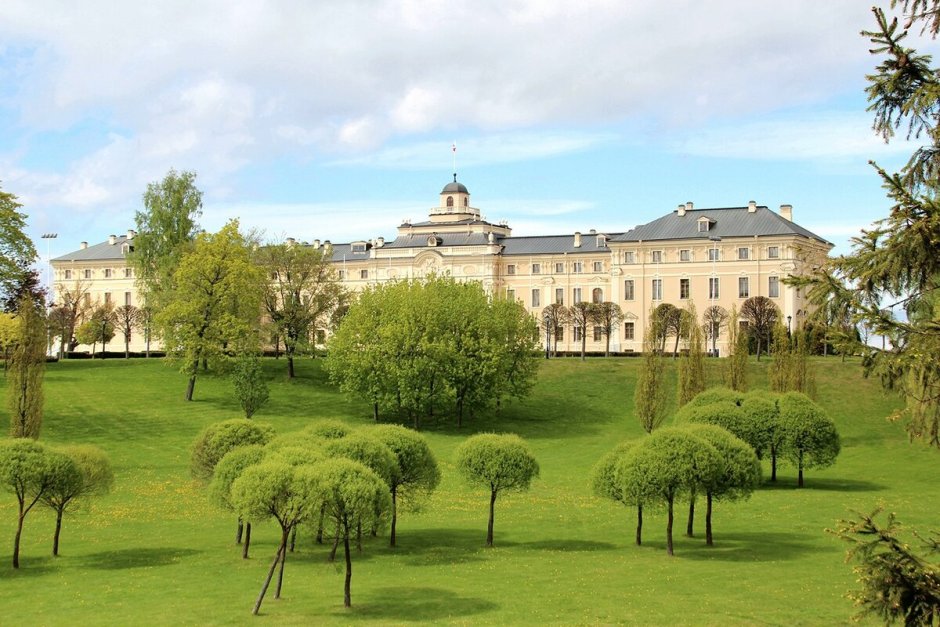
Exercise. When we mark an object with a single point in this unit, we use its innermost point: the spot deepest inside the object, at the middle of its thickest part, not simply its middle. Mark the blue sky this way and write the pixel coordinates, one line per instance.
(335, 120)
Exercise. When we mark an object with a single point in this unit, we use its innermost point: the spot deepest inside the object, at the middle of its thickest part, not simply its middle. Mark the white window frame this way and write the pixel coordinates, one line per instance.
(656, 289)
(744, 253)
(714, 288)
(629, 289)
(744, 287)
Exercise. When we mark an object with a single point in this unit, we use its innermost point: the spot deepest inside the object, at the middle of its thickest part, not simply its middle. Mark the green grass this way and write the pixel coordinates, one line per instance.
(156, 552)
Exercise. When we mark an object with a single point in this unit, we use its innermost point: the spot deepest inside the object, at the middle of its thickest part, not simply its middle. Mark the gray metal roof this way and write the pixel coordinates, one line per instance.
(420, 240)
(454, 187)
(553, 244)
(98, 252)
(726, 222)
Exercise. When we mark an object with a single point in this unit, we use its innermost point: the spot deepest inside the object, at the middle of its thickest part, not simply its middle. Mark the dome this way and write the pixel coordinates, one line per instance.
(454, 188)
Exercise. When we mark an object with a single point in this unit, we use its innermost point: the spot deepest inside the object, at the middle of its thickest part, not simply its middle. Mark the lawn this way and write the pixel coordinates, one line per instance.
(156, 552)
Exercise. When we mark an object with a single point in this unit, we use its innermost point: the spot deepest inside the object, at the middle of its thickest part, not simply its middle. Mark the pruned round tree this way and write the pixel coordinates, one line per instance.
(77, 472)
(219, 438)
(809, 437)
(608, 481)
(418, 474)
(230, 468)
(497, 462)
(24, 471)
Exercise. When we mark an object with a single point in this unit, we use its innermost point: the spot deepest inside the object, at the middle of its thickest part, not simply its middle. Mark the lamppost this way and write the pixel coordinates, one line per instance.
(49, 237)
(789, 319)
(548, 333)
(104, 330)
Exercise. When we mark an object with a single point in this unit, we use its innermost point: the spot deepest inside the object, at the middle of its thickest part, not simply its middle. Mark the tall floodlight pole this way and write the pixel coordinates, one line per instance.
(49, 237)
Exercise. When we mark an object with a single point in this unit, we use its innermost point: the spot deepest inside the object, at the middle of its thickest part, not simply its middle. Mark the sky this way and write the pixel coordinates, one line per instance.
(336, 120)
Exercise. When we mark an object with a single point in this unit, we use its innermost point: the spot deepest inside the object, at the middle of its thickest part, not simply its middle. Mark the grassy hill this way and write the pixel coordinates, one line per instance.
(156, 552)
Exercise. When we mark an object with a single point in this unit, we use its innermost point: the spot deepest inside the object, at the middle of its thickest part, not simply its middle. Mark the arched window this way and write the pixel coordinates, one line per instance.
(466, 201)
(450, 201)
(597, 295)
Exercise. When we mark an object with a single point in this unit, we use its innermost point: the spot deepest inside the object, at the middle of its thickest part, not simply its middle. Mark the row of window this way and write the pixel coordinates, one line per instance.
(577, 267)
(686, 254)
(629, 333)
(128, 299)
(108, 273)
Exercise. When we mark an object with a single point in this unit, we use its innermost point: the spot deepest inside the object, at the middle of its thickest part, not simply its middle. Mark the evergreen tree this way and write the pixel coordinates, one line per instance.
(736, 373)
(692, 363)
(649, 397)
(27, 369)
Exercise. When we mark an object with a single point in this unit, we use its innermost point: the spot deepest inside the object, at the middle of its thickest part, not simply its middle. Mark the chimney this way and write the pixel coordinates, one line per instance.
(112, 239)
(751, 206)
(379, 242)
(316, 244)
(688, 206)
(291, 241)
(327, 247)
(83, 246)
(593, 231)
(131, 233)
(786, 212)
(577, 239)
(681, 210)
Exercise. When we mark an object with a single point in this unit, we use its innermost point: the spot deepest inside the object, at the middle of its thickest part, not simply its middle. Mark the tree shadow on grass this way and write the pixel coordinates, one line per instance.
(30, 566)
(747, 547)
(829, 484)
(411, 604)
(136, 558)
(433, 547)
(572, 546)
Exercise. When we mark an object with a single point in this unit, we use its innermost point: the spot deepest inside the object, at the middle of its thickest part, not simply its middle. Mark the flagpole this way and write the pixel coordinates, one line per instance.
(454, 149)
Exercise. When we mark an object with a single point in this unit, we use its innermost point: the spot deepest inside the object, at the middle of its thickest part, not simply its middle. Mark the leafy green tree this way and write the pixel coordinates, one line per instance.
(230, 468)
(781, 368)
(498, 462)
(554, 319)
(764, 431)
(275, 489)
(609, 480)
(736, 373)
(581, 316)
(99, 327)
(72, 308)
(714, 318)
(418, 474)
(302, 288)
(9, 336)
(692, 364)
(126, 318)
(809, 437)
(26, 372)
(802, 375)
(213, 309)
(76, 472)
(219, 438)
(669, 323)
(761, 314)
(24, 471)
(649, 397)
(251, 389)
(739, 476)
(607, 316)
(353, 496)
(17, 252)
(166, 228)
(898, 585)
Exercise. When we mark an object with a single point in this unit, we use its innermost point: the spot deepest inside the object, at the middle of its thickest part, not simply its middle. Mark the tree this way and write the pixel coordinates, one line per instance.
(126, 319)
(649, 397)
(302, 288)
(9, 336)
(809, 436)
(213, 309)
(669, 322)
(781, 368)
(607, 316)
(736, 376)
(497, 462)
(230, 468)
(898, 585)
(714, 318)
(554, 319)
(17, 252)
(26, 286)
(609, 480)
(580, 315)
(24, 471)
(219, 438)
(251, 389)
(27, 370)
(145, 323)
(669, 463)
(761, 314)
(99, 327)
(74, 305)
(692, 364)
(274, 489)
(166, 229)
(418, 474)
(353, 496)
(77, 472)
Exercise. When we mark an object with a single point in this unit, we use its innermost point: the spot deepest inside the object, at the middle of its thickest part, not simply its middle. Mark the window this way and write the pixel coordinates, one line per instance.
(559, 268)
(576, 295)
(628, 330)
(359, 247)
(743, 287)
(685, 255)
(535, 297)
(511, 268)
(450, 201)
(598, 266)
(87, 274)
(628, 289)
(536, 268)
(657, 289)
(577, 334)
(713, 254)
(657, 256)
(128, 273)
(363, 274)
(773, 252)
(597, 295)
(560, 334)
(683, 288)
(598, 334)
(107, 298)
(713, 288)
(629, 257)
(773, 287)
(127, 299)
(68, 274)
(341, 274)
(107, 273)
(559, 296)
(87, 299)
(510, 294)
(744, 253)
(703, 225)
(577, 267)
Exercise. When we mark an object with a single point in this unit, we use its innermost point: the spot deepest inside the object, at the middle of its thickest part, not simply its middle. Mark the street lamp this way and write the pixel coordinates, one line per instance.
(104, 329)
(789, 318)
(548, 333)
(49, 237)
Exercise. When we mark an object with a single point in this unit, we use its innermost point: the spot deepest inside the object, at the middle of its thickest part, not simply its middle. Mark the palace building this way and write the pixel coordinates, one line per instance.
(715, 256)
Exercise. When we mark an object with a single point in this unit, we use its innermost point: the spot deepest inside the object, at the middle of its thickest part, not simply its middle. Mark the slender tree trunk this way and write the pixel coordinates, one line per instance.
(394, 515)
(247, 541)
(192, 381)
(375, 412)
(127, 348)
(347, 598)
(16, 539)
(639, 524)
(336, 545)
(489, 526)
(583, 343)
(267, 580)
(675, 349)
(320, 525)
(290, 366)
(58, 529)
(708, 519)
(669, 527)
(689, 526)
(773, 463)
(799, 480)
(293, 538)
(359, 537)
(607, 348)
(280, 574)
(238, 531)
